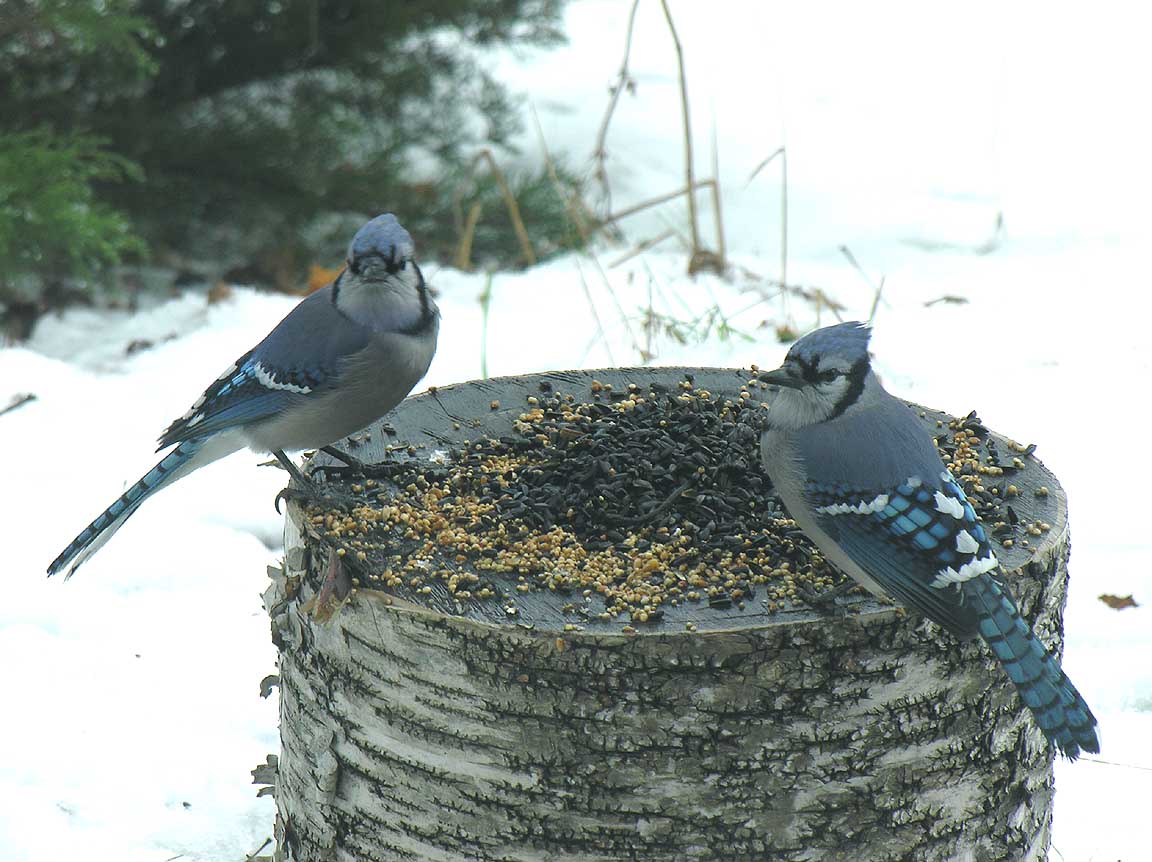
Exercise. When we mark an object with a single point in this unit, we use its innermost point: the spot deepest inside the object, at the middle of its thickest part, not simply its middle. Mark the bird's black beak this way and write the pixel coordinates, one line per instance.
(781, 376)
(391, 263)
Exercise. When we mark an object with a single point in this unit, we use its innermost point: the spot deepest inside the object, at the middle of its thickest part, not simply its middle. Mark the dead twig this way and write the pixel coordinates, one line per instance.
(876, 300)
(689, 171)
(623, 82)
(947, 299)
(779, 152)
(642, 247)
(255, 856)
(18, 401)
(699, 258)
(651, 202)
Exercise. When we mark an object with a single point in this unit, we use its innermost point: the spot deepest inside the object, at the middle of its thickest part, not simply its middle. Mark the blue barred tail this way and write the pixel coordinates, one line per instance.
(174, 465)
(1060, 711)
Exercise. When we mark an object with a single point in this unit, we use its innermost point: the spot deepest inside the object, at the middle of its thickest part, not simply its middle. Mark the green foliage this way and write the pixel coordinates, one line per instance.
(52, 223)
(49, 219)
(63, 61)
(251, 119)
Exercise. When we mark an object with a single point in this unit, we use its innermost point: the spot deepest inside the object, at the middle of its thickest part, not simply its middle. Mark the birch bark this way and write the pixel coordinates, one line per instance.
(412, 734)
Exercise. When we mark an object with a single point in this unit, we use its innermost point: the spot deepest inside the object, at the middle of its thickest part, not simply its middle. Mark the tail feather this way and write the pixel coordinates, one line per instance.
(188, 456)
(1057, 706)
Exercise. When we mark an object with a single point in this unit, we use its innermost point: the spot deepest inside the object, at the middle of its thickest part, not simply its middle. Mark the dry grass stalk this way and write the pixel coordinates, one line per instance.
(485, 300)
(651, 202)
(526, 250)
(878, 289)
(513, 208)
(601, 333)
(701, 259)
(624, 319)
(782, 152)
(463, 259)
(876, 300)
(689, 170)
(642, 247)
(721, 247)
(578, 210)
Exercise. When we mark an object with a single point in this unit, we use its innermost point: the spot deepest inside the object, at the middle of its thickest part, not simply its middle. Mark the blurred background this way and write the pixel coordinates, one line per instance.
(241, 140)
(151, 145)
(174, 174)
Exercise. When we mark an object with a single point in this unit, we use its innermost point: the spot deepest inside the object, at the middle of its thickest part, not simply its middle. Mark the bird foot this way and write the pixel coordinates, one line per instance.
(309, 492)
(350, 465)
(353, 466)
(352, 462)
(825, 600)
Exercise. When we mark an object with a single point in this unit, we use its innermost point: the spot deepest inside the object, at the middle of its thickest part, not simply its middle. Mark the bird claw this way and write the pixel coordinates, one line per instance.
(287, 495)
(335, 471)
(310, 494)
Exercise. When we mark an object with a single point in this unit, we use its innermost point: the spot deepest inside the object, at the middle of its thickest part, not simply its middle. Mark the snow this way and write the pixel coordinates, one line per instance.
(133, 716)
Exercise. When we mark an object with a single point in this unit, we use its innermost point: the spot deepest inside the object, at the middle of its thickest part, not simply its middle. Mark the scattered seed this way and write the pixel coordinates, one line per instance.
(627, 504)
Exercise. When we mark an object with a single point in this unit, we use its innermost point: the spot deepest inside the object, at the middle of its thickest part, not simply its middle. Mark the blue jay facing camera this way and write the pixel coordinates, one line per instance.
(341, 359)
(862, 477)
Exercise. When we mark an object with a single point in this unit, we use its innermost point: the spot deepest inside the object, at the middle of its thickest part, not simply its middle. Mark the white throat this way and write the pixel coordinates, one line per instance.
(389, 305)
(793, 409)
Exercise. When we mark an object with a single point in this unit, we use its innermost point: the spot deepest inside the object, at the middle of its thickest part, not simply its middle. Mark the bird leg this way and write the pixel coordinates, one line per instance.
(292, 469)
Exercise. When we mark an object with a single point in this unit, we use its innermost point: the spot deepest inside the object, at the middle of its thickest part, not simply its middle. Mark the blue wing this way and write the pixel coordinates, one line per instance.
(919, 541)
(238, 397)
(922, 543)
(302, 357)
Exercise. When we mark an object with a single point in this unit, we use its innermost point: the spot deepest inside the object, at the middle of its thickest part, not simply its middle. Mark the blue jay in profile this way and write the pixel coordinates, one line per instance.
(341, 359)
(862, 477)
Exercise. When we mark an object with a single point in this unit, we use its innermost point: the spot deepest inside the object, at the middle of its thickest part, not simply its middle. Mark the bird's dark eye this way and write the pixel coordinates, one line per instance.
(828, 376)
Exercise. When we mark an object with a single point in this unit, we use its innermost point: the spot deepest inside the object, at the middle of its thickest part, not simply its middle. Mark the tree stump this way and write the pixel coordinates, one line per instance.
(418, 727)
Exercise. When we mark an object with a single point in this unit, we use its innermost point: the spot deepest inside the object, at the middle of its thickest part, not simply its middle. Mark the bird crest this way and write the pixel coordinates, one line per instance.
(847, 341)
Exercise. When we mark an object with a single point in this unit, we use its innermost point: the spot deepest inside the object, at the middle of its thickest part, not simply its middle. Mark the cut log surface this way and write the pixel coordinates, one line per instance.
(417, 727)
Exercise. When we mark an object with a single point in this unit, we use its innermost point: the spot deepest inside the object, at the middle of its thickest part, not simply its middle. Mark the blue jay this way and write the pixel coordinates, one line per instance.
(342, 358)
(862, 477)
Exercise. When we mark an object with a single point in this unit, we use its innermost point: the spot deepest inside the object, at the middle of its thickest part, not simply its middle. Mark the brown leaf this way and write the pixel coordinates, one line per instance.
(319, 276)
(1118, 603)
(219, 292)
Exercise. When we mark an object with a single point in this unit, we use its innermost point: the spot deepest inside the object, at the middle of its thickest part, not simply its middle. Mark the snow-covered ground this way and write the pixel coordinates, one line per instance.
(132, 716)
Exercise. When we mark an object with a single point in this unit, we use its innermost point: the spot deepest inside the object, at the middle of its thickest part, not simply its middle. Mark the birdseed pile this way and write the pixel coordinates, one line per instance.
(624, 502)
